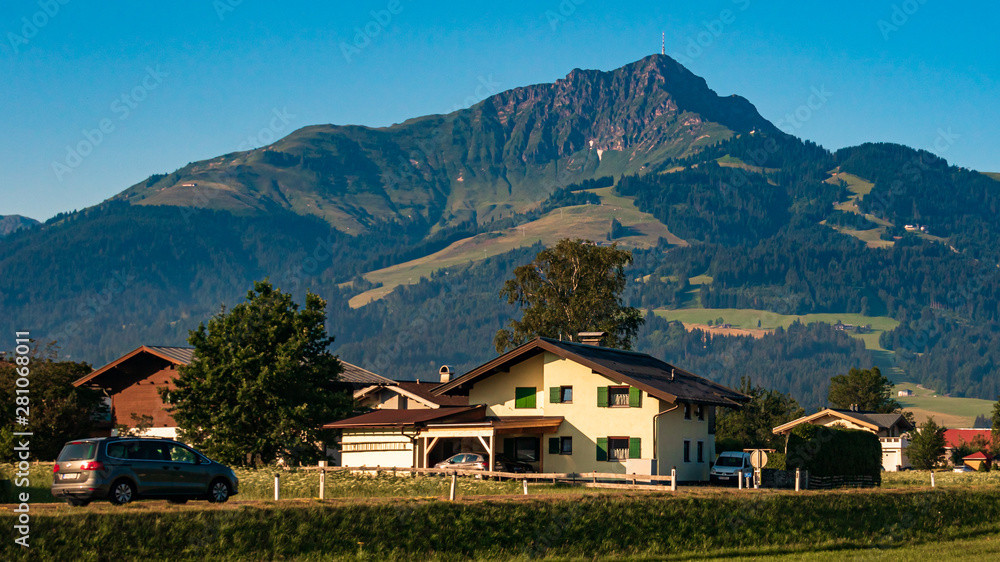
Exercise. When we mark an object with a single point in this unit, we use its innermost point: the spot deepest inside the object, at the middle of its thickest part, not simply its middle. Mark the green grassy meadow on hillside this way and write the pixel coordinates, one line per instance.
(590, 222)
(746, 319)
(947, 410)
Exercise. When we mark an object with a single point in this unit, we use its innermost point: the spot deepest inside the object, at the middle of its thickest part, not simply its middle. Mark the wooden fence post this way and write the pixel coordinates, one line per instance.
(322, 479)
(277, 486)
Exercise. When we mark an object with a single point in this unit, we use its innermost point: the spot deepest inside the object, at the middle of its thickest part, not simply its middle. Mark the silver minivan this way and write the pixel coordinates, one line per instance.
(123, 469)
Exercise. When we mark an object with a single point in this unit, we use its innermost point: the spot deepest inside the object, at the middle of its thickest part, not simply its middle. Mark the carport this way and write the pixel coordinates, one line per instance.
(488, 433)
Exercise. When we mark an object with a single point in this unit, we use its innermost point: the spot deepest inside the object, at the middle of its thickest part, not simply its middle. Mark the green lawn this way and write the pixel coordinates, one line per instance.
(695, 524)
(985, 545)
(304, 484)
(948, 411)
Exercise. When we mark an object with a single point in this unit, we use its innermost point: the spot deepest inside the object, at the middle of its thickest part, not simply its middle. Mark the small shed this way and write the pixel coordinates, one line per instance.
(976, 460)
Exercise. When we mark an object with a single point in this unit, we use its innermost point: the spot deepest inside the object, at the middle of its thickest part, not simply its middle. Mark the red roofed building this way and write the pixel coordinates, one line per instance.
(976, 460)
(955, 437)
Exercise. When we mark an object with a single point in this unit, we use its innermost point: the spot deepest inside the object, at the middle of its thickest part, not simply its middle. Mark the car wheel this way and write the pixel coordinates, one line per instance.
(77, 503)
(122, 492)
(179, 501)
(218, 491)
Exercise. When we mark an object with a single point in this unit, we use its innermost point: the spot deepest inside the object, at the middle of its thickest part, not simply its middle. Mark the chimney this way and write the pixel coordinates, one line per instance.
(592, 338)
(445, 372)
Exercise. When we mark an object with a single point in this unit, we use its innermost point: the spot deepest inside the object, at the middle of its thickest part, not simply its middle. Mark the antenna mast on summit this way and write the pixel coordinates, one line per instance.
(663, 43)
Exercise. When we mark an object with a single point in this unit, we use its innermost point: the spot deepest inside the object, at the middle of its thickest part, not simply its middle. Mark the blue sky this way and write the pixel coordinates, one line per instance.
(175, 83)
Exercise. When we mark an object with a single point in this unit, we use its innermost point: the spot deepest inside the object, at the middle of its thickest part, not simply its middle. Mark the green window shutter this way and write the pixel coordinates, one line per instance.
(602, 447)
(554, 397)
(553, 445)
(602, 397)
(634, 397)
(508, 448)
(635, 448)
(524, 397)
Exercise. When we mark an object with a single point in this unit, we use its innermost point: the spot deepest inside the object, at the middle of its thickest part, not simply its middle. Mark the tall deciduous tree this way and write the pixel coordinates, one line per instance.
(926, 445)
(995, 428)
(868, 389)
(573, 287)
(59, 412)
(751, 426)
(261, 382)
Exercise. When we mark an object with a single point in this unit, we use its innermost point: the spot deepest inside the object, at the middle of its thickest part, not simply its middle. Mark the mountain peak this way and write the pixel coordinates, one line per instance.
(13, 223)
(502, 155)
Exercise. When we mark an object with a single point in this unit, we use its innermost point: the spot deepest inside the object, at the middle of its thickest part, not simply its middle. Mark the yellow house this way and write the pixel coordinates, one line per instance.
(565, 407)
(890, 428)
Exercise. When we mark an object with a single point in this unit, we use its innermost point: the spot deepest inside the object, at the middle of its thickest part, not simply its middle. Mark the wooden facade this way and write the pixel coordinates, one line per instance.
(132, 382)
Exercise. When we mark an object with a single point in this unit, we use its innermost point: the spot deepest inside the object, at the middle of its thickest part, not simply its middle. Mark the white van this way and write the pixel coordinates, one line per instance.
(729, 466)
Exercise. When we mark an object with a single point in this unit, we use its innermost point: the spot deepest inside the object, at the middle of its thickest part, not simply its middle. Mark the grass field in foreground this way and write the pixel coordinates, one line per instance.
(947, 410)
(984, 546)
(628, 526)
(304, 484)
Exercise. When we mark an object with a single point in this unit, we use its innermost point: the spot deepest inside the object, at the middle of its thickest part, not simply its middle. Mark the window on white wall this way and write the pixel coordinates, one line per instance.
(617, 448)
(618, 397)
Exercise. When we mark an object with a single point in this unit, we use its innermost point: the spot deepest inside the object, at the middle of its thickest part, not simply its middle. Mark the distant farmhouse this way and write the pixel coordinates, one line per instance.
(132, 382)
(890, 428)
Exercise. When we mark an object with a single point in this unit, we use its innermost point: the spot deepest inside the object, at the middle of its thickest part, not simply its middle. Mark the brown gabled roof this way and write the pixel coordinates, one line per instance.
(872, 420)
(410, 418)
(354, 374)
(185, 355)
(175, 355)
(424, 392)
(656, 377)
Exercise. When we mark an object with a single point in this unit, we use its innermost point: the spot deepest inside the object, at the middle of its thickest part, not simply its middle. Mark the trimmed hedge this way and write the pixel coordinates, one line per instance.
(830, 451)
(776, 461)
